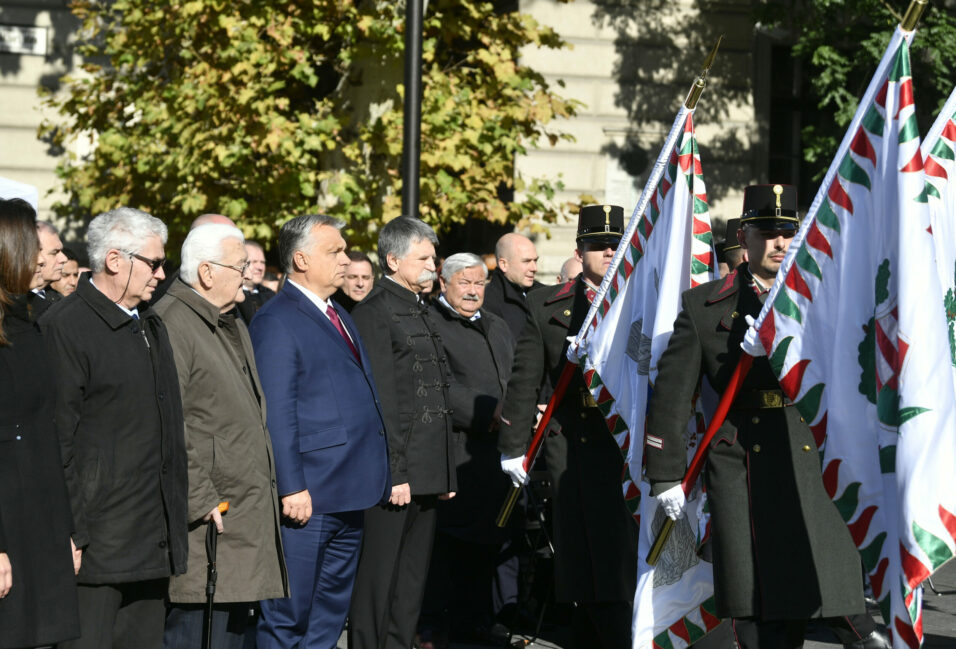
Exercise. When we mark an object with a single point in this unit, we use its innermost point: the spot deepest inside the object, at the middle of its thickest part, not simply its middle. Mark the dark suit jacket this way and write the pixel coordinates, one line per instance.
(324, 414)
(253, 302)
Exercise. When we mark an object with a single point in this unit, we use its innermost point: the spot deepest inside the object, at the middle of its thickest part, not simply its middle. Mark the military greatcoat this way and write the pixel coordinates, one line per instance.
(595, 537)
(780, 549)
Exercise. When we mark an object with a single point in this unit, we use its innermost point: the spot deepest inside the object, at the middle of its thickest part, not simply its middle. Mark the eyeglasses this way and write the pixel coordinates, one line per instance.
(154, 264)
(239, 269)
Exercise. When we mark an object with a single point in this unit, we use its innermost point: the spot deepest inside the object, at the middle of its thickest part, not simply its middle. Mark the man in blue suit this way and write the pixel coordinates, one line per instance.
(327, 431)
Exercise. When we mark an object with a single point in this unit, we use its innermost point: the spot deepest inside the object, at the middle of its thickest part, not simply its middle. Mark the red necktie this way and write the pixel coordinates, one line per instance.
(334, 317)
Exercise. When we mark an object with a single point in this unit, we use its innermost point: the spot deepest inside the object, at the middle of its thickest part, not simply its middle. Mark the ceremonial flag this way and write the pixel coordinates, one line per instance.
(855, 330)
(666, 250)
(939, 155)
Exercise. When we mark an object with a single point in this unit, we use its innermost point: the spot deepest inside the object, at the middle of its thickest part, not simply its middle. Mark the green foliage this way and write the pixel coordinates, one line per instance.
(265, 109)
(840, 43)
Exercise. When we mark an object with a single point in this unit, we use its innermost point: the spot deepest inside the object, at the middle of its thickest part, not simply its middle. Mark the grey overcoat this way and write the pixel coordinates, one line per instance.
(229, 452)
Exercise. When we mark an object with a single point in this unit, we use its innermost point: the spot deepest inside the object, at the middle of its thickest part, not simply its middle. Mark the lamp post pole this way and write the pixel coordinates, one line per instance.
(412, 130)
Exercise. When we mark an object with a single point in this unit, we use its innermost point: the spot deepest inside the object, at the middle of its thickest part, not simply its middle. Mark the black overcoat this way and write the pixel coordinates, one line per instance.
(479, 355)
(35, 521)
(411, 375)
(119, 419)
(595, 536)
(780, 548)
(507, 301)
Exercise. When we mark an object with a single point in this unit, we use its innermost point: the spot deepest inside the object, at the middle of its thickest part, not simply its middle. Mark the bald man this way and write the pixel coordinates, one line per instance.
(512, 280)
(570, 269)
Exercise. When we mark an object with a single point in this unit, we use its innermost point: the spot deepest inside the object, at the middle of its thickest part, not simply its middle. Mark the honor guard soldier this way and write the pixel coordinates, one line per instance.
(781, 552)
(595, 538)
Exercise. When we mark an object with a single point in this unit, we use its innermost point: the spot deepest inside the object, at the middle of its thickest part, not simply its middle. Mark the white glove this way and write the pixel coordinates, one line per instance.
(673, 502)
(514, 467)
(752, 344)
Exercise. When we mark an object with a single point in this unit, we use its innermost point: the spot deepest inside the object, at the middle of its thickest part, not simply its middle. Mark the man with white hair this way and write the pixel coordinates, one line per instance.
(120, 422)
(480, 349)
(411, 374)
(230, 454)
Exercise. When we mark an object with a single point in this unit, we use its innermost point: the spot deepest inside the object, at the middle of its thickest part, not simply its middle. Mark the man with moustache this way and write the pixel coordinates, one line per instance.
(119, 418)
(595, 538)
(764, 488)
(411, 374)
(512, 280)
(479, 349)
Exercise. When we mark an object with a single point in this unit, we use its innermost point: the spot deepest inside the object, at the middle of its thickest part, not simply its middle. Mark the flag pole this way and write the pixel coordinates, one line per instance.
(694, 469)
(660, 165)
(536, 442)
(690, 103)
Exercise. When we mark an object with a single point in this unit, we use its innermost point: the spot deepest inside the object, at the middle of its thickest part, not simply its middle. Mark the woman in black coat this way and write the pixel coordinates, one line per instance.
(37, 584)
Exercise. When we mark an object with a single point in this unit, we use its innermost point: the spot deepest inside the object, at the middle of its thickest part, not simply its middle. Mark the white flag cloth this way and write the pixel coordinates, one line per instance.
(855, 329)
(666, 250)
(939, 156)
(10, 189)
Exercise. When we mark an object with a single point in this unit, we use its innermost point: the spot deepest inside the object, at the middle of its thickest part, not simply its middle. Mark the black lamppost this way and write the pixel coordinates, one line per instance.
(412, 131)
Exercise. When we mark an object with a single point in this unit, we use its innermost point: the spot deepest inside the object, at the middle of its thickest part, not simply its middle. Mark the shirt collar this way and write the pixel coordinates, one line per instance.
(323, 305)
(443, 301)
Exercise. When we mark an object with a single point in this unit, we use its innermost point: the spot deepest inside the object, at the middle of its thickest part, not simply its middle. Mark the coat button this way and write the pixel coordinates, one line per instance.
(162, 395)
(802, 420)
(755, 420)
(756, 448)
(584, 440)
(381, 432)
(567, 312)
(584, 415)
(273, 484)
(735, 314)
(162, 544)
(164, 468)
(806, 449)
(19, 437)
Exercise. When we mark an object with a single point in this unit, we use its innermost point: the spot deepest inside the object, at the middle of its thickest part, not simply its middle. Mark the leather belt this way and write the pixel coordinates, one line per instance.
(761, 399)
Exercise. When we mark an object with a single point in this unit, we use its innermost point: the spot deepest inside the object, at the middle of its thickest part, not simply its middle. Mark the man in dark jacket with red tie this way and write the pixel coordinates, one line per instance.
(328, 434)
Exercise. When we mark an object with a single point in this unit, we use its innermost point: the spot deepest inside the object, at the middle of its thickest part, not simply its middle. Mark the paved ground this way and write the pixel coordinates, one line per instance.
(939, 621)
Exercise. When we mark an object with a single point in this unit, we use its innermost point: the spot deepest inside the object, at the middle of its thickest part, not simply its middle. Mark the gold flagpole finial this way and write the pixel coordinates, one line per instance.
(913, 13)
(698, 88)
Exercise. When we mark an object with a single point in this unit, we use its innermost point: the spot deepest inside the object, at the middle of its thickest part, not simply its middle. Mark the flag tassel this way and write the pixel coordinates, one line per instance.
(697, 464)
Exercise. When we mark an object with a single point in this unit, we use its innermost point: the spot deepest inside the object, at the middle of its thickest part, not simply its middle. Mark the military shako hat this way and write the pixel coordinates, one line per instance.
(601, 224)
(730, 235)
(770, 207)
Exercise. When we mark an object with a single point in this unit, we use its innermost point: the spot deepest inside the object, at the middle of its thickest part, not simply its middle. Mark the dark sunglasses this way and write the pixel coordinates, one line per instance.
(154, 264)
(599, 246)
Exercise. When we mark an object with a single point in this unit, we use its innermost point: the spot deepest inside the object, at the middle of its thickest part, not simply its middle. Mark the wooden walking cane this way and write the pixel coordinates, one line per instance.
(212, 575)
(535, 447)
(693, 471)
